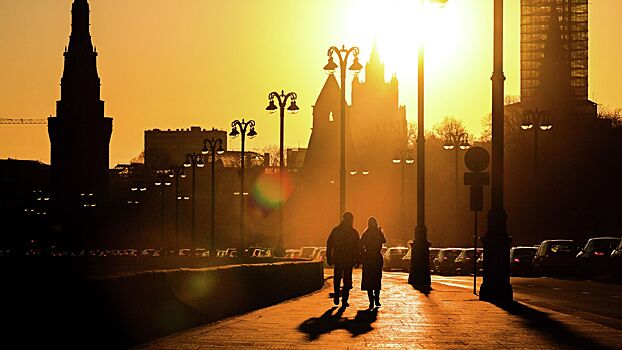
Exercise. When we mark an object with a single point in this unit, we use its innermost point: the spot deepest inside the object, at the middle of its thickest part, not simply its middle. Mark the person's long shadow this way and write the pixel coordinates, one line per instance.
(550, 328)
(360, 324)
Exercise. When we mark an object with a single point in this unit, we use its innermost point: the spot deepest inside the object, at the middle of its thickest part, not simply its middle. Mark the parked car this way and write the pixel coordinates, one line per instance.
(406, 259)
(594, 259)
(521, 260)
(321, 256)
(393, 258)
(307, 252)
(433, 254)
(292, 253)
(556, 257)
(445, 262)
(616, 261)
(464, 261)
(480, 263)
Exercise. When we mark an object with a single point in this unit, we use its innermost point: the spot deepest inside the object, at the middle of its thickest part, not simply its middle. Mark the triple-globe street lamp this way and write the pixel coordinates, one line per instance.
(343, 54)
(293, 109)
(194, 160)
(243, 128)
(213, 146)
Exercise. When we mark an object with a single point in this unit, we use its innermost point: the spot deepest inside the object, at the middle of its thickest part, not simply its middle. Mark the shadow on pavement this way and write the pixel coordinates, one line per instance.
(425, 290)
(552, 329)
(328, 322)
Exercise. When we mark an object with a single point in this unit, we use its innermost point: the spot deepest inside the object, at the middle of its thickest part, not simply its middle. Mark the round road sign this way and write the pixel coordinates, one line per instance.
(477, 159)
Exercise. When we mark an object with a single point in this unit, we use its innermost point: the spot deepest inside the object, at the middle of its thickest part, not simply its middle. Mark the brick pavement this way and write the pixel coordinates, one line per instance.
(447, 318)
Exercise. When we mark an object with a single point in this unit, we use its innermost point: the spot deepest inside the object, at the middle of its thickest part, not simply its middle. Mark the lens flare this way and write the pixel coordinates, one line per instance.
(266, 190)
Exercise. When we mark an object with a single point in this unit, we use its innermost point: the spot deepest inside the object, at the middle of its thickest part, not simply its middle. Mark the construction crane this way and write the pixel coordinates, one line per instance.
(22, 121)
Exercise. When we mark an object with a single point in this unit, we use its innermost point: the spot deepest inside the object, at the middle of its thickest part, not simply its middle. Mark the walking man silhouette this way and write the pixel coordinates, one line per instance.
(342, 251)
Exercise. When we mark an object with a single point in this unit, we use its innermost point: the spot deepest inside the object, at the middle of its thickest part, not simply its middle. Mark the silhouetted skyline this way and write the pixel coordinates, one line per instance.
(163, 63)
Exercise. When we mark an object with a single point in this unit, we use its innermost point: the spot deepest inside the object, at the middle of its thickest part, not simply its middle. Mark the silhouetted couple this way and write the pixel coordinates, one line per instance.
(344, 250)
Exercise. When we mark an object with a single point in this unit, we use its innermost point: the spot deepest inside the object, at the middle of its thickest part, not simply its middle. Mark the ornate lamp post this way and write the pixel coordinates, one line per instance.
(177, 172)
(404, 158)
(215, 147)
(293, 109)
(539, 119)
(457, 142)
(343, 54)
(419, 275)
(243, 128)
(161, 182)
(496, 286)
(194, 160)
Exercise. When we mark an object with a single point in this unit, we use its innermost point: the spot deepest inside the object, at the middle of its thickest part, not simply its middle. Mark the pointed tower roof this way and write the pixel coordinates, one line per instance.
(374, 69)
(330, 90)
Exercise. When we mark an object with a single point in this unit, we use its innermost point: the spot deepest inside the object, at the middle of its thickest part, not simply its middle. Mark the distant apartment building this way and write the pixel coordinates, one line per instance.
(167, 148)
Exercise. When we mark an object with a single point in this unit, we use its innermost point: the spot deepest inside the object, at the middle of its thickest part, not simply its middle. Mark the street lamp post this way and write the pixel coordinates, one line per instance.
(496, 286)
(403, 157)
(457, 142)
(194, 160)
(419, 275)
(161, 182)
(539, 119)
(136, 200)
(243, 128)
(215, 147)
(331, 66)
(177, 172)
(358, 173)
(293, 108)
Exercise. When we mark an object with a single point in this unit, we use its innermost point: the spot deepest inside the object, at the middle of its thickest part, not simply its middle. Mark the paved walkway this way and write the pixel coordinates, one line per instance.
(447, 318)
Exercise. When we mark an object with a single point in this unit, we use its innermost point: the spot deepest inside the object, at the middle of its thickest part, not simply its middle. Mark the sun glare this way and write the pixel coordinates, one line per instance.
(399, 27)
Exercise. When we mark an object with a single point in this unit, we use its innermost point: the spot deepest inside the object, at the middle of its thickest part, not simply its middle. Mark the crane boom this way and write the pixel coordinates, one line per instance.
(22, 121)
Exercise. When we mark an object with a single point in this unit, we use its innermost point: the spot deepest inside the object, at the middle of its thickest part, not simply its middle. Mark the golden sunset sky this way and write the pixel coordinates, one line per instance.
(172, 64)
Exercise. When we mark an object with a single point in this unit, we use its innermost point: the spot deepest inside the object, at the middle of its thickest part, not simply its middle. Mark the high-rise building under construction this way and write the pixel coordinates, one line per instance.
(554, 47)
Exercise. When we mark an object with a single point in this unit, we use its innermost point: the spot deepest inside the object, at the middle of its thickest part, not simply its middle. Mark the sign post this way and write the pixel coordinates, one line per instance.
(477, 160)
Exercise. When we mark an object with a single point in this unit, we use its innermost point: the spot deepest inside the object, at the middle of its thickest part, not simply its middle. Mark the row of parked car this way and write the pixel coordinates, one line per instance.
(601, 256)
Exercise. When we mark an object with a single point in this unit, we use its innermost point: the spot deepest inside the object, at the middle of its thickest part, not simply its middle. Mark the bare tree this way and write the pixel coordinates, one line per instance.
(139, 159)
(486, 122)
(274, 152)
(449, 124)
(612, 114)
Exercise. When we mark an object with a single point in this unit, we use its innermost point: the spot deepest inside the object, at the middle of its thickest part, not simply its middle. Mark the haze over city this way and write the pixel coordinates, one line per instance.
(173, 64)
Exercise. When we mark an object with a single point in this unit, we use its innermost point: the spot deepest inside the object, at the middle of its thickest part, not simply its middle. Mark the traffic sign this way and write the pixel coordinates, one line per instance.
(477, 159)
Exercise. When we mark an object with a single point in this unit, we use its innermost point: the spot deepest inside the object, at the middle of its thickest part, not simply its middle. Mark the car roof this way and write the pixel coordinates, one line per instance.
(603, 238)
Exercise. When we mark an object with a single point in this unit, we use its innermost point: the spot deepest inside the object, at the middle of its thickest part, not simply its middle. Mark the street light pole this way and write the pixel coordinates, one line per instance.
(403, 158)
(215, 146)
(496, 286)
(293, 108)
(539, 119)
(194, 160)
(161, 182)
(331, 66)
(177, 172)
(241, 127)
(419, 275)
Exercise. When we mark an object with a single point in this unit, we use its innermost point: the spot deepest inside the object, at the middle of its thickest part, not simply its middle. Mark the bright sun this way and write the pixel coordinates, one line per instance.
(399, 27)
